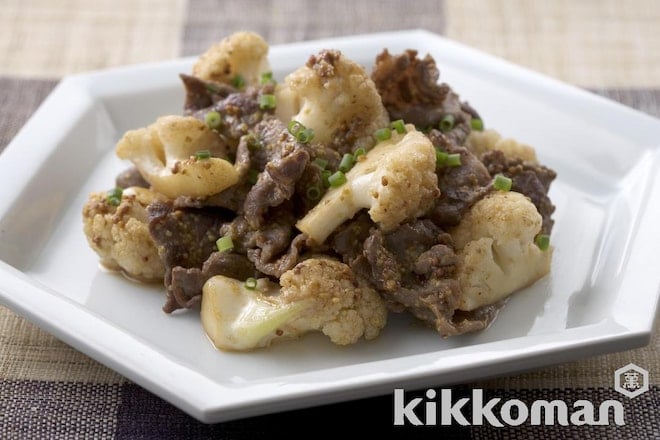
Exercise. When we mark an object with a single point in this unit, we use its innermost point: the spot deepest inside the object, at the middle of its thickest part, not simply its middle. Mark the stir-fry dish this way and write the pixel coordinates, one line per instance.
(324, 201)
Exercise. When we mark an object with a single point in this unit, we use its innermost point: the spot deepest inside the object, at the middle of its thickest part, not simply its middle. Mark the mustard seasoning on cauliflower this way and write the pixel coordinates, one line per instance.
(496, 251)
(120, 234)
(164, 153)
(241, 55)
(318, 294)
(336, 98)
(396, 180)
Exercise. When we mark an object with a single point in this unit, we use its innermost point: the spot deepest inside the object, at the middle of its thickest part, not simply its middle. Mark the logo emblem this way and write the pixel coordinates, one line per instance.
(631, 380)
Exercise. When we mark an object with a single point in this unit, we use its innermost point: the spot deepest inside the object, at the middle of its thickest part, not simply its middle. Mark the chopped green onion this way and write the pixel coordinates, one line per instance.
(266, 78)
(325, 175)
(305, 136)
(440, 158)
(253, 142)
(447, 123)
(542, 241)
(267, 102)
(477, 124)
(295, 127)
(252, 176)
(359, 152)
(399, 126)
(346, 163)
(213, 120)
(212, 88)
(313, 192)
(320, 162)
(238, 81)
(224, 244)
(454, 160)
(502, 183)
(202, 154)
(383, 134)
(337, 179)
(114, 196)
(251, 283)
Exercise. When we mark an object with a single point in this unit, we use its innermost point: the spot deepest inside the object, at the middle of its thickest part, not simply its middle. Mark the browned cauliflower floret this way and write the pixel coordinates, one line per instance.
(396, 180)
(318, 294)
(242, 54)
(335, 97)
(480, 142)
(496, 249)
(120, 234)
(164, 153)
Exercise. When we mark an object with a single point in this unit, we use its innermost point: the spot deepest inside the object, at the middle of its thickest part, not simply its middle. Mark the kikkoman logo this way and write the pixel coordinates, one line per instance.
(432, 410)
(512, 412)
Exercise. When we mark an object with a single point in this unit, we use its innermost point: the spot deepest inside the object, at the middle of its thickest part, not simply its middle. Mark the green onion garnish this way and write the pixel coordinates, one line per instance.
(359, 152)
(266, 78)
(325, 176)
(114, 196)
(202, 154)
(295, 127)
(251, 283)
(399, 126)
(440, 158)
(212, 88)
(542, 241)
(477, 124)
(267, 102)
(224, 244)
(454, 160)
(253, 142)
(446, 123)
(383, 134)
(337, 179)
(252, 176)
(213, 120)
(346, 163)
(238, 81)
(320, 163)
(313, 192)
(305, 136)
(502, 183)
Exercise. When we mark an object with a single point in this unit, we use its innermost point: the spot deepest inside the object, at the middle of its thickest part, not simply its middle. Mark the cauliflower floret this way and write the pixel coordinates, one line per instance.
(164, 153)
(241, 53)
(336, 98)
(396, 180)
(480, 142)
(496, 251)
(120, 234)
(318, 294)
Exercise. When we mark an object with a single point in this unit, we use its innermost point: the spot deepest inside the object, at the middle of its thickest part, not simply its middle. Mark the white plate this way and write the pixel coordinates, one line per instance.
(601, 296)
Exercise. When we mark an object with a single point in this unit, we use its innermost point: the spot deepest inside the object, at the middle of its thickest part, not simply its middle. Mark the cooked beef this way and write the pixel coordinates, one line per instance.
(410, 91)
(239, 110)
(184, 237)
(286, 162)
(274, 247)
(131, 177)
(185, 290)
(460, 186)
(413, 268)
(529, 179)
(348, 239)
(202, 94)
(275, 267)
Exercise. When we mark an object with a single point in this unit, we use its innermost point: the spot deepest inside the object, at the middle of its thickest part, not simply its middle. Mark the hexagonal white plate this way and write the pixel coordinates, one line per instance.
(600, 297)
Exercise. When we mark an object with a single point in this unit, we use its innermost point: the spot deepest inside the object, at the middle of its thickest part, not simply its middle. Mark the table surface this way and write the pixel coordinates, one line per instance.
(49, 390)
